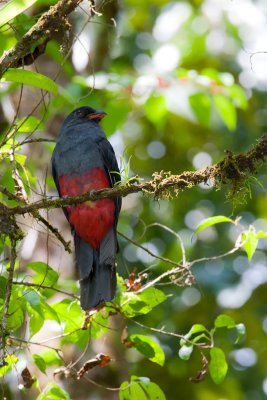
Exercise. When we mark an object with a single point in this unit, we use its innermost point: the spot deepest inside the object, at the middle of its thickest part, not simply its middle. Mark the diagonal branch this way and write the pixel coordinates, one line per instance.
(37, 216)
(233, 169)
(167, 260)
(40, 286)
(47, 26)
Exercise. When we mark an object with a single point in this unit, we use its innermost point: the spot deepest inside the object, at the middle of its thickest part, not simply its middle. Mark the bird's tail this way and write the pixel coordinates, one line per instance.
(97, 271)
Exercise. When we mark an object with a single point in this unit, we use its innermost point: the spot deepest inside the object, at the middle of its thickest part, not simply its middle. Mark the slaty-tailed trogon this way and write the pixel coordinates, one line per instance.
(84, 160)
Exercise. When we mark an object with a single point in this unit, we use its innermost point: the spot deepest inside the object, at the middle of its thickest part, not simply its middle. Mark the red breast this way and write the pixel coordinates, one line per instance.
(92, 219)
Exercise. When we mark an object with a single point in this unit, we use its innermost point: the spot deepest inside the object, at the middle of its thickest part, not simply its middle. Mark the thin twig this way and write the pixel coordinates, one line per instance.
(176, 335)
(170, 272)
(174, 271)
(179, 268)
(167, 260)
(162, 331)
(166, 228)
(54, 230)
(40, 140)
(104, 387)
(83, 353)
(41, 286)
(28, 342)
(62, 335)
(238, 246)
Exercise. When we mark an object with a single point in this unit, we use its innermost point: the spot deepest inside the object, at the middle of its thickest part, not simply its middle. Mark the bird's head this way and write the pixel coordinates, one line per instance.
(85, 114)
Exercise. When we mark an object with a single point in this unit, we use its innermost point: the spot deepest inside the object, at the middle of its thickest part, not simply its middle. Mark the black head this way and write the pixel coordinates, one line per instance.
(85, 114)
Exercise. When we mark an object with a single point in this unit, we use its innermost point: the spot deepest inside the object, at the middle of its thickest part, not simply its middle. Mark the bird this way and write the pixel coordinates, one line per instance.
(84, 160)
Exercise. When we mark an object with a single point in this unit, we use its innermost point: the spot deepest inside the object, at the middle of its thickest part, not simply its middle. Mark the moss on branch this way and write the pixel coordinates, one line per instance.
(47, 26)
(233, 170)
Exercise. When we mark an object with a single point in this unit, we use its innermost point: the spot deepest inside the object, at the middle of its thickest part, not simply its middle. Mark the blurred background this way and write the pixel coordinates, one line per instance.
(181, 82)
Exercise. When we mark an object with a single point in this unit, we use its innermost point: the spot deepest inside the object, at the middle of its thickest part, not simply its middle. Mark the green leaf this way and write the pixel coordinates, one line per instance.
(238, 96)
(197, 338)
(196, 328)
(201, 106)
(79, 338)
(10, 360)
(70, 312)
(33, 298)
(251, 241)
(34, 310)
(261, 235)
(185, 352)
(49, 312)
(30, 78)
(241, 331)
(149, 348)
(140, 388)
(45, 274)
(142, 303)
(38, 310)
(218, 366)
(51, 357)
(156, 108)
(36, 321)
(189, 336)
(20, 158)
(117, 112)
(13, 8)
(15, 312)
(226, 110)
(99, 324)
(182, 73)
(212, 73)
(29, 124)
(53, 392)
(22, 23)
(224, 321)
(62, 309)
(39, 362)
(212, 221)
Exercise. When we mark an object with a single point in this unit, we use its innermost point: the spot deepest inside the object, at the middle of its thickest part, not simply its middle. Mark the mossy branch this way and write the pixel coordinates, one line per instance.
(233, 170)
(47, 26)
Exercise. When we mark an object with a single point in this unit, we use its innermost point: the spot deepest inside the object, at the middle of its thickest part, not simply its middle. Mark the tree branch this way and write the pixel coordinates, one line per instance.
(54, 230)
(40, 286)
(3, 325)
(233, 169)
(37, 216)
(173, 334)
(167, 260)
(14, 340)
(49, 24)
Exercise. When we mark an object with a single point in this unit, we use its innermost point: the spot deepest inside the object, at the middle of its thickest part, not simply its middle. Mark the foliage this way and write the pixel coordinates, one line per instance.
(176, 100)
(140, 388)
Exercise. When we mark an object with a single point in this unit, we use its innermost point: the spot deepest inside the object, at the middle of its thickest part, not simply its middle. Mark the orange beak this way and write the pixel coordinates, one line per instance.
(99, 114)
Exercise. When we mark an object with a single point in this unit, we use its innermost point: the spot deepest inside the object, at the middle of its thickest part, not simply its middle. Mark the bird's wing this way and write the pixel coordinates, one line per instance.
(55, 177)
(111, 168)
(54, 173)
